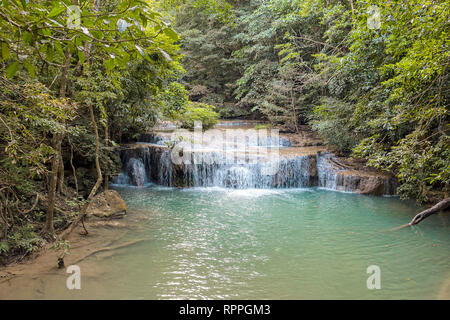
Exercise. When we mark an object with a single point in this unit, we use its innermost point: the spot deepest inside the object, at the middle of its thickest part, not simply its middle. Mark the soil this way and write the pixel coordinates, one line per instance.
(103, 236)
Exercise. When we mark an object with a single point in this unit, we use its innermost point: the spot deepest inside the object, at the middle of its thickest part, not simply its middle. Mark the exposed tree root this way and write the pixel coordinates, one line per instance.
(110, 248)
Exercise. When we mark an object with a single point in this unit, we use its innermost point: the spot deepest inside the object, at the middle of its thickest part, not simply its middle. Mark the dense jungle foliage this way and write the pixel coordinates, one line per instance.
(79, 77)
(370, 77)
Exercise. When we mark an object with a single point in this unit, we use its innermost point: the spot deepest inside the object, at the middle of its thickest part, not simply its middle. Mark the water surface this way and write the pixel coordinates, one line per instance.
(216, 243)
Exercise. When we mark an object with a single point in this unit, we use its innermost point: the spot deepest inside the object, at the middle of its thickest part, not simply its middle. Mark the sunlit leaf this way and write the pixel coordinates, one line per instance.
(122, 25)
(12, 69)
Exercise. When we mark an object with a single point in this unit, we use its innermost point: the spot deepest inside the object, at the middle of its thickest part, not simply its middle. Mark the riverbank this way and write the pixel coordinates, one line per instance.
(103, 238)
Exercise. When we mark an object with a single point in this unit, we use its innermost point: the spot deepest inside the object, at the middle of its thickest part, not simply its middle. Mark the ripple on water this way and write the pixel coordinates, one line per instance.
(271, 243)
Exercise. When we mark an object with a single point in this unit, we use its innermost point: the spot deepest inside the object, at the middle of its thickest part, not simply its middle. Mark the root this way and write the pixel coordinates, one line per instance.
(110, 248)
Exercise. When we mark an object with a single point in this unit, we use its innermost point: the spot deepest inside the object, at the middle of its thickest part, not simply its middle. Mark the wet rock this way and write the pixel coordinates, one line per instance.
(362, 183)
(338, 174)
(373, 185)
(107, 204)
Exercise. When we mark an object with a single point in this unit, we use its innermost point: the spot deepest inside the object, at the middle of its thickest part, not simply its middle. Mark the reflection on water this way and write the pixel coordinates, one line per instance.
(265, 244)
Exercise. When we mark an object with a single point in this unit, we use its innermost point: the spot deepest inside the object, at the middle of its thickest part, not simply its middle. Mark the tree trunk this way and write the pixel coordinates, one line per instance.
(62, 94)
(107, 144)
(99, 181)
(55, 175)
(48, 228)
(444, 204)
(74, 171)
(60, 184)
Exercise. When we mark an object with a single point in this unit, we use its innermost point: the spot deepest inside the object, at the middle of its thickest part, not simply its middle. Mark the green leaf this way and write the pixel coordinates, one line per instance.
(27, 37)
(56, 10)
(81, 56)
(171, 34)
(109, 64)
(12, 69)
(30, 68)
(5, 51)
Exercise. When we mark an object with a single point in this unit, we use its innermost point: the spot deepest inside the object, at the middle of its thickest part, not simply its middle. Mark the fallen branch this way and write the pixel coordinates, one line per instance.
(440, 206)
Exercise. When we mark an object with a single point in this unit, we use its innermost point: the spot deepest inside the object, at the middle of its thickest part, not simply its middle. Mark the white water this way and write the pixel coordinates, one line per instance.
(240, 159)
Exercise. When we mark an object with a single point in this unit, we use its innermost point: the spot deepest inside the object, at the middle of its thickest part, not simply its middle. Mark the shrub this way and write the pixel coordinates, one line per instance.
(332, 121)
(199, 112)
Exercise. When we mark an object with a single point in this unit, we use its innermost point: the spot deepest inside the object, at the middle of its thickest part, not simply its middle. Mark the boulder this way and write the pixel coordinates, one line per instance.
(107, 204)
(373, 185)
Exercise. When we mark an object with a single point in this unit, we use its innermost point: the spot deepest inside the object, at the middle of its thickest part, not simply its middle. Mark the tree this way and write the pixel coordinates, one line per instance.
(66, 49)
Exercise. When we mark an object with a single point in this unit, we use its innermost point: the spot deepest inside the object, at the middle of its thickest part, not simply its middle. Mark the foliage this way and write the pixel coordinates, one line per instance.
(330, 120)
(201, 112)
(62, 247)
(395, 81)
(119, 59)
(380, 94)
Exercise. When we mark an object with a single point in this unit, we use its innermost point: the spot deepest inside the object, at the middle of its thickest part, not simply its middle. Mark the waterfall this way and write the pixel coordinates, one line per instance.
(136, 172)
(327, 175)
(153, 161)
(288, 172)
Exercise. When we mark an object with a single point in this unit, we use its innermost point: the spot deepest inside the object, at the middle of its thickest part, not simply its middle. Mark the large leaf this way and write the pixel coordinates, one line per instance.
(56, 10)
(81, 56)
(5, 51)
(12, 69)
(30, 68)
(171, 34)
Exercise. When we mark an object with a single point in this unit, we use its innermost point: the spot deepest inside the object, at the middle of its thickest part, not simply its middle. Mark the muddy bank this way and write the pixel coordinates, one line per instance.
(445, 291)
(25, 280)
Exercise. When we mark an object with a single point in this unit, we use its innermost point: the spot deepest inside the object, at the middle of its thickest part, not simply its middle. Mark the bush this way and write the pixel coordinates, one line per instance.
(199, 112)
(332, 121)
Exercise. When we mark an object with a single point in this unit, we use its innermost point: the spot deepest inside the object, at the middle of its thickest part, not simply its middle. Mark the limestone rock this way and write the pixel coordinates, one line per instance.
(107, 204)
(373, 185)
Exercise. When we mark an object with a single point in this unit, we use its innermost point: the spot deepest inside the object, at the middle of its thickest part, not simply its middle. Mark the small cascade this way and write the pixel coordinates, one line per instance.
(136, 172)
(209, 166)
(327, 173)
(136, 169)
(333, 176)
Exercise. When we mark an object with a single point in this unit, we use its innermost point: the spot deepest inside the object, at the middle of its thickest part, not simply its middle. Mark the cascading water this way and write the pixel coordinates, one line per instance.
(326, 173)
(209, 165)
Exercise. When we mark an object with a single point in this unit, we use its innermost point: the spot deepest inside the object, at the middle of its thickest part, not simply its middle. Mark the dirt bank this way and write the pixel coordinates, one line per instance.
(105, 236)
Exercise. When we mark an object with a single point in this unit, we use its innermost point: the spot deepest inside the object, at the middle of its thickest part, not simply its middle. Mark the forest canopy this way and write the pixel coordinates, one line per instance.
(370, 77)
